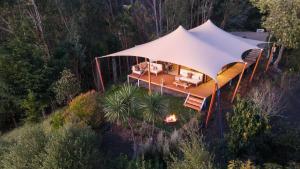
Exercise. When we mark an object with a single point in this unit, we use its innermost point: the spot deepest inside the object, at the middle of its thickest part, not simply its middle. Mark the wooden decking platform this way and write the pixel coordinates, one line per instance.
(203, 90)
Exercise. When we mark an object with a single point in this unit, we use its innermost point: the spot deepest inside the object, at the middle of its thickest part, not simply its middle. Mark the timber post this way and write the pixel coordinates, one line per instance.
(149, 78)
(238, 83)
(99, 74)
(211, 104)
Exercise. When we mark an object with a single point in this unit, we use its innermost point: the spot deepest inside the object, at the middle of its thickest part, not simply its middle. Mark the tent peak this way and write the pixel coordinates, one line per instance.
(208, 21)
(181, 28)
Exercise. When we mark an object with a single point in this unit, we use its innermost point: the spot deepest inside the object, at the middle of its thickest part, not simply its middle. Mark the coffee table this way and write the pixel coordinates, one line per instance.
(185, 85)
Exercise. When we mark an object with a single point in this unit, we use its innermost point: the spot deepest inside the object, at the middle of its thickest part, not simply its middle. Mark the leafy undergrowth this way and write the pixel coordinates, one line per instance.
(174, 106)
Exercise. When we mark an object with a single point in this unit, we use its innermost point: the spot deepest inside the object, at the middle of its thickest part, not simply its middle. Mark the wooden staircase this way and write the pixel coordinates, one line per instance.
(193, 102)
(252, 56)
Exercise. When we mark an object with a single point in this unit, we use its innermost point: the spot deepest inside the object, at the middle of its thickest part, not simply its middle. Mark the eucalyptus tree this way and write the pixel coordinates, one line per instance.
(282, 19)
(153, 106)
(120, 106)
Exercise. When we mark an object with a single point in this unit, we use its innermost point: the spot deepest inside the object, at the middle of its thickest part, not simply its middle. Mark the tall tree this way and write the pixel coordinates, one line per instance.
(283, 21)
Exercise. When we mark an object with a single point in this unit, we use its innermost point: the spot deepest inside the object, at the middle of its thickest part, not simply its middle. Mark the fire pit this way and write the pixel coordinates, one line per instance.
(170, 119)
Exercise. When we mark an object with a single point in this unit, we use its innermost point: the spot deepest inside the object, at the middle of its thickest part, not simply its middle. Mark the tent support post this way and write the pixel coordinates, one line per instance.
(270, 57)
(100, 74)
(211, 105)
(238, 83)
(256, 64)
(149, 78)
(137, 60)
(178, 70)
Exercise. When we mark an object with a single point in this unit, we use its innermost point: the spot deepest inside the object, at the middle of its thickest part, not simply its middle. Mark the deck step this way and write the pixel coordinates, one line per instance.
(193, 102)
(195, 99)
(192, 106)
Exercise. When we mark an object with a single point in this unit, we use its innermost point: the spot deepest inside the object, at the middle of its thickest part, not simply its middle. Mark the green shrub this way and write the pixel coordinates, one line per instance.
(143, 164)
(272, 166)
(25, 152)
(236, 164)
(66, 148)
(57, 120)
(245, 123)
(194, 154)
(85, 110)
(32, 107)
(72, 148)
(122, 162)
(67, 87)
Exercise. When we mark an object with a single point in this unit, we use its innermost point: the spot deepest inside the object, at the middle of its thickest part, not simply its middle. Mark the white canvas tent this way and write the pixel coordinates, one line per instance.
(182, 48)
(205, 48)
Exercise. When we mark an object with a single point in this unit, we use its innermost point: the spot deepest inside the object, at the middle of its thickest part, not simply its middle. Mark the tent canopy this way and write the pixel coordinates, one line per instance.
(225, 41)
(194, 49)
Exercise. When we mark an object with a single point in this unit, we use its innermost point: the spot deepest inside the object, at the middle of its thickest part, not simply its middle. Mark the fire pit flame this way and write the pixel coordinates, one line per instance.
(171, 118)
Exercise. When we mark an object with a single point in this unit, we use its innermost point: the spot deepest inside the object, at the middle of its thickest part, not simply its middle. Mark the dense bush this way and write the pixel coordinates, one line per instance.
(57, 119)
(32, 108)
(236, 164)
(246, 122)
(66, 148)
(194, 154)
(72, 148)
(85, 110)
(26, 151)
(67, 87)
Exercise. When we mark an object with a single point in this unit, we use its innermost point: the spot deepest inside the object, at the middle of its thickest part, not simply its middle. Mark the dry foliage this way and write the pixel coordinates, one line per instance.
(269, 98)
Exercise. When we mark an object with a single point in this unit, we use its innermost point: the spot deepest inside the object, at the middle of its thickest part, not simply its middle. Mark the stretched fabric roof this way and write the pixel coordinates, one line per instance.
(223, 40)
(183, 48)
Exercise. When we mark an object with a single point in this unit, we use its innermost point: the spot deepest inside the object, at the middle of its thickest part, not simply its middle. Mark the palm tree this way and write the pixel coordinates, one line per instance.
(152, 106)
(120, 106)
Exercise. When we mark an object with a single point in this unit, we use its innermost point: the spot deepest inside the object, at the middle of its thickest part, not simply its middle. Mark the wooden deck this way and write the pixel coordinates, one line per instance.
(203, 90)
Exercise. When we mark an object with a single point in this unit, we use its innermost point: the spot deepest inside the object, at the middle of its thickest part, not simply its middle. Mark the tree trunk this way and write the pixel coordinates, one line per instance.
(120, 66)
(275, 65)
(192, 7)
(160, 17)
(36, 18)
(14, 120)
(210, 10)
(155, 17)
(115, 73)
(44, 113)
(224, 21)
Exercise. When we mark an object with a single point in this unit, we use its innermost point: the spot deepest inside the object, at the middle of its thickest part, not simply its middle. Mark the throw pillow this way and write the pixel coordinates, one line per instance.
(189, 75)
(136, 68)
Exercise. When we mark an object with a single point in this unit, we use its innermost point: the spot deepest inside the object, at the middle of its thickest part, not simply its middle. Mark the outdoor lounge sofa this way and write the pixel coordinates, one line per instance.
(191, 77)
(142, 67)
(156, 68)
